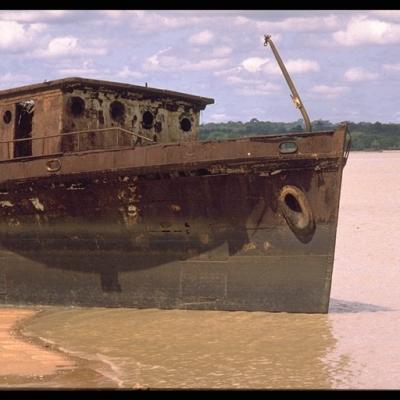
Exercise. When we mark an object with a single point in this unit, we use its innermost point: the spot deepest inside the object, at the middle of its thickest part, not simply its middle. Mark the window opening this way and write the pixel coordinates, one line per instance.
(76, 106)
(117, 111)
(148, 120)
(23, 128)
(7, 117)
(186, 125)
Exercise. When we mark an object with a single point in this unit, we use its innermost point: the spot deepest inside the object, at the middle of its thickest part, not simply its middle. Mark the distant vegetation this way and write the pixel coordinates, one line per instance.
(365, 135)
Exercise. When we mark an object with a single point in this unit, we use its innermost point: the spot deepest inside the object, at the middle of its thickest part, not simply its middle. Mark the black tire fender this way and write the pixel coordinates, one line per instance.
(297, 212)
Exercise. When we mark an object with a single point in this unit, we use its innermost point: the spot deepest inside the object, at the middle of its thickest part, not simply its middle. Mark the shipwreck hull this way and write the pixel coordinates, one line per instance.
(192, 225)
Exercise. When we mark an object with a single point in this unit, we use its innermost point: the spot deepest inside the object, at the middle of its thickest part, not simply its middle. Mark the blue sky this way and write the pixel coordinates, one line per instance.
(345, 64)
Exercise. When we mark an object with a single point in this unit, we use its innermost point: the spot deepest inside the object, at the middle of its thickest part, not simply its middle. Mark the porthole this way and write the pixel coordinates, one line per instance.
(292, 203)
(7, 117)
(147, 120)
(76, 106)
(53, 165)
(186, 125)
(117, 111)
(288, 147)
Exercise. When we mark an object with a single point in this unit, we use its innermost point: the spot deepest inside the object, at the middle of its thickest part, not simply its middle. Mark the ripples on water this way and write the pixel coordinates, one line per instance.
(355, 346)
(178, 348)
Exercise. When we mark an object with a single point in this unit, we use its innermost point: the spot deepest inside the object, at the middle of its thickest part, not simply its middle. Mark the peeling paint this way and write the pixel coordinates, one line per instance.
(37, 204)
(6, 203)
(175, 207)
(267, 245)
(76, 186)
(132, 210)
(249, 246)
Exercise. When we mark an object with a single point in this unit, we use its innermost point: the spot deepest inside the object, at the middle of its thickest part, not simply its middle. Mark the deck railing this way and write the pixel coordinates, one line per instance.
(77, 141)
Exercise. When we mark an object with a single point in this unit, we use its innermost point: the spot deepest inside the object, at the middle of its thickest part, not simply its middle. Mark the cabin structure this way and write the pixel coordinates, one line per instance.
(77, 114)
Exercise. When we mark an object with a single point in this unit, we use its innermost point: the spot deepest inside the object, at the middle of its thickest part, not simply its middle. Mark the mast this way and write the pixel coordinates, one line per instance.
(295, 96)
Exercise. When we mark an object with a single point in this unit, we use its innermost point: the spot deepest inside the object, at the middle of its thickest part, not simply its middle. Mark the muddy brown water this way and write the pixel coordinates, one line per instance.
(356, 345)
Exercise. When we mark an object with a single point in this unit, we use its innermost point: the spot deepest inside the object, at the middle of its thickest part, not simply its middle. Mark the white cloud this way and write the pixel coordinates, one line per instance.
(148, 22)
(85, 70)
(201, 38)
(245, 83)
(11, 33)
(218, 117)
(301, 66)
(292, 24)
(33, 15)
(359, 74)
(329, 91)
(62, 46)
(222, 51)
(307, 24)
(126, 72)
(35, 29)
(259, 90)
(168, 22)
(237, 80)
(229, 71)
(396, 116)
(15, 36)
(99, 43)
(13, 79)
(391, 67)
(363, 30)
(114, 14)
(391, 15)
(207, 64)
(256, 64)
(247, 76)
(240, 20)
(153, 62)
(160, 62)
(70, 46)
(297, 66)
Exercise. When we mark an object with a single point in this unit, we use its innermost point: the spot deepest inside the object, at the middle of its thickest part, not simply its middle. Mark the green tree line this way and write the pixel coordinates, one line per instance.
(365, 135)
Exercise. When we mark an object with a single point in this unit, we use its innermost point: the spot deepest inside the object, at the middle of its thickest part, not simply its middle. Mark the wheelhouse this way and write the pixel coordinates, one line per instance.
(76, 114)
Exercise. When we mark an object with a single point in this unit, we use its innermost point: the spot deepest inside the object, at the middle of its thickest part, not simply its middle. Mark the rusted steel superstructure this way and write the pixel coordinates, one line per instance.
(108, 198)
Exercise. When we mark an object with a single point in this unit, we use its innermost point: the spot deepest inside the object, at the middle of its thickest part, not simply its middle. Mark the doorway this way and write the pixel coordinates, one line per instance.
(23, 128)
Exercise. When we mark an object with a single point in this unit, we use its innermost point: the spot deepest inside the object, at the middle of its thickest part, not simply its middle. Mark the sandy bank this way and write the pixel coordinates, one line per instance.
(21, 358)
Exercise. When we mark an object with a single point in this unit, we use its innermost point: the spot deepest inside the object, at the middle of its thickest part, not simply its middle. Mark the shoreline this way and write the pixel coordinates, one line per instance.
(28, 361)
(25, 361)
(376, 151)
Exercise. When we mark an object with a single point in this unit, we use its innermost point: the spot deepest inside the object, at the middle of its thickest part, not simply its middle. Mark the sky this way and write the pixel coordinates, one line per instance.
(345, 64)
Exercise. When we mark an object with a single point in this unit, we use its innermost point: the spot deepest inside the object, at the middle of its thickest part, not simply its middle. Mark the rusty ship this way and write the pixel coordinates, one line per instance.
(108, 198)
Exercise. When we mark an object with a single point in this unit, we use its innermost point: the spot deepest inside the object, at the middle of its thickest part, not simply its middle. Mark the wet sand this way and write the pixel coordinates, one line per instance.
(35, 362)
(21, 360)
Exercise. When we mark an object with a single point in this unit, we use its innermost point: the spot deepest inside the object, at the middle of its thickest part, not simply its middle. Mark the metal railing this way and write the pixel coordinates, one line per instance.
(71, 142)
